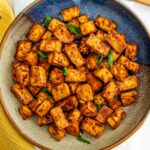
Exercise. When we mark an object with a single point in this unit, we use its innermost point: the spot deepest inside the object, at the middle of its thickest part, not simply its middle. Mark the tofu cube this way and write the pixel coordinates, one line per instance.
(59, 117)
(91, 62)
(94, 82)
(23, 47)
(43, 63)
(105, 24)
(70, 13)
(68, 103)
(101, 35)
(84, 92)
(88, 28)
(88, 109)
(128, 97)
(104, 113)
(115, 119)
(22, 93)
(114, 103)
(47, 35)
(98, 99)
(92, 127)
(83, 19)
(116, 41)
(60, 91)
(97, 45)
(103, 74)
(73, 87)
(56, 133)
(131, 51)
(74, 115)
(115, 55)
(36, 32)
(38, 76)
(34, 90)
(83, 48)
(75, 75)
(74, 22)
(25, 112)
(42, 121)
(74, 54)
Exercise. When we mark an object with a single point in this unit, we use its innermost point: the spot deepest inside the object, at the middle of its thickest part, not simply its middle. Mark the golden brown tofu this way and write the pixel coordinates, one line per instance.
(119, 71)
(74, 115)
(104, 64)
(47, 35)
(130, 65)
(83, 48)
(56, 133)
(101, 35)
(92, 127)
(115, 119)
(73, 87)
(25, 112)
(51, 45)
(114, 103)
(74, 22)
(129, 83)
(98, 99)
(103, 74)
(73, 128)
(116, 41)
(84, 92)
(56, 76)
(94, 82)
(104, 113)
(42, 121)
(36, 32)
(60, 91)
(68, 103)
(70, 13)
(54, 24)
(115, 55)
(91, 62)
(43, 63)
(74, 54)
(22, 93)
(75, 75)
(128, 97)
(88, 109)
(59, 118)
(87, 28)
(21, 73)
(83, 19)
(38, 76)
(23, 47)
(131, 51)
(49, 86)
(97, 45)
(34, 90)
(63, 34)
(105, 24)
(110, 90)
(31, 58)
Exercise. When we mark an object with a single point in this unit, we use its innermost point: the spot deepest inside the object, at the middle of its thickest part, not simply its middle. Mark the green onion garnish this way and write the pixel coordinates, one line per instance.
(65, 71)
(41, 54)
(100, 58)
(47, 21)
(110, 59)
(47, 93)
(83, 140)
(73, 29)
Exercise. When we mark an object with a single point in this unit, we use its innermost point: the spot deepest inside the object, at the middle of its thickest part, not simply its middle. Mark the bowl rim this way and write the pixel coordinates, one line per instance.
(32, 141)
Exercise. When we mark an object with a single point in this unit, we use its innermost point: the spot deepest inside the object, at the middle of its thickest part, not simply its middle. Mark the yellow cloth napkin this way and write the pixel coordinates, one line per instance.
(10, 139)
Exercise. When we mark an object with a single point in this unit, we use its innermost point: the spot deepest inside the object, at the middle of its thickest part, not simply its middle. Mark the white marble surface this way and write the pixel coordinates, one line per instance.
(140, 140)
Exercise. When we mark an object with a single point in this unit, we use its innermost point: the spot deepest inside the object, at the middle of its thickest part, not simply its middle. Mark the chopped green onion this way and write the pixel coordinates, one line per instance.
(100, 58)
(41, 54)
(47, 93)
(47, 21)
(110, 59)
(65, 71)
(73, 29)
(98, 105)
(83, 140)
(98, 108)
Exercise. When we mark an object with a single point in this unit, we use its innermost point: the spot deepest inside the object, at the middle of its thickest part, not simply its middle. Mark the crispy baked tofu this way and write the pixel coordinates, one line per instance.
(60, 91)
(116, 41)
(59, 118)
(98, 99)
(91, 62)
(68, 103)
(110, 90)
(105, 24)
(74, 54)
(88, 28)
(94, 82)
(115, 55)
(129, 83)
(115, 119)
(74, 22)
(34, 90)
(97, 45)
(114, 103)
(83, 19)
(88, 109)
(25, 112)
(36, 32)
(92, 127)
(56, 76)
(130, 65)
(75, 75)
(23, 47)
(47, 35)
(84, 92)
(38, 76)
(131, 50)
(101, 35)
(42, 121)
(43, 63)
(50, 45)
(56, 133)
(119, 71)
(74, 115)
(104, 64)
(104, 113)
(83, 48)
(73, 87)
(128, 97)
(22, 93)
(70, 13)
